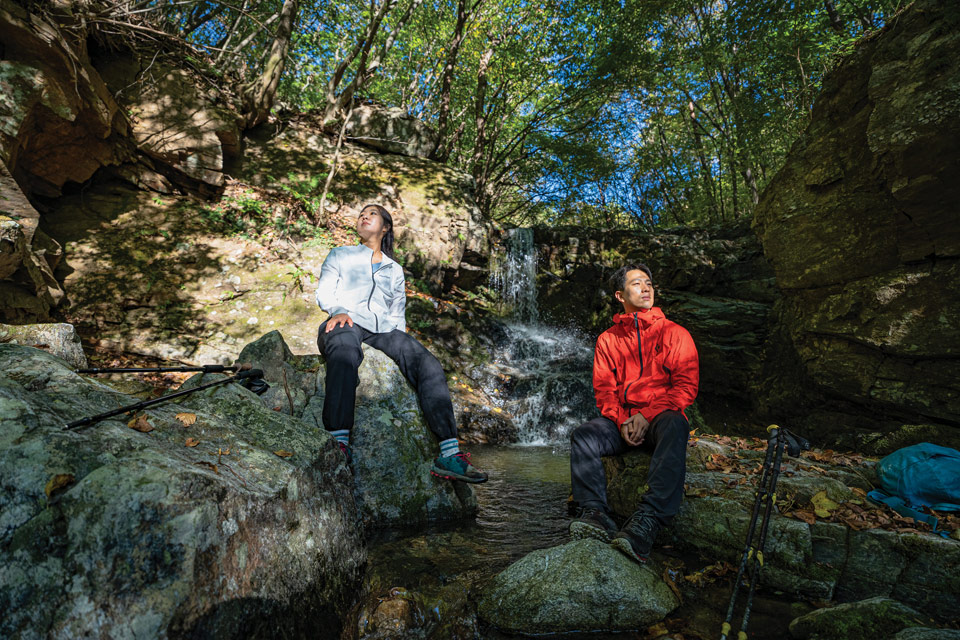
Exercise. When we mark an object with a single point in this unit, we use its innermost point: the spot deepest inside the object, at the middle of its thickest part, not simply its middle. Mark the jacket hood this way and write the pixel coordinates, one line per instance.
(647, 317)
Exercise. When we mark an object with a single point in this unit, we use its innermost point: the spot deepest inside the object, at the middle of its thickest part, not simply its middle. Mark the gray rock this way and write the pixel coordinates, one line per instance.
(864, 620)
(109, 532)
(292, 379)
(393, 451)
(926, 633)
(580, 586)
(824, 560)
(58, 339)
(392, 130)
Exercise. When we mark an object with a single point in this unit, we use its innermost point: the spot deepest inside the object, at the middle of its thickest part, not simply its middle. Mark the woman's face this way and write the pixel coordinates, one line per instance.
(371, 225)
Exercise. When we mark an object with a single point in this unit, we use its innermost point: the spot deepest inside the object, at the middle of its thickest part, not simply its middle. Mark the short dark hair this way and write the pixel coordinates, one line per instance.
(618, 281)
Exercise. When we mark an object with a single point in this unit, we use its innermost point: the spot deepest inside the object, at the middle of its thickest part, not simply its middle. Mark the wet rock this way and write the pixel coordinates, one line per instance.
(864, 620)
(860, 228)
(107, 531)
(824, 560)
(60, 340)
(581, 586)
(393, 451)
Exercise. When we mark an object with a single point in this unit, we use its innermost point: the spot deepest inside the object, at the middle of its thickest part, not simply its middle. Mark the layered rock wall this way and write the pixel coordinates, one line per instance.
(862, 232)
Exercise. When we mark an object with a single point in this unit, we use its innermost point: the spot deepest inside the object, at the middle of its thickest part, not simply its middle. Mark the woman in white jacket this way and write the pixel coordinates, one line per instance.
(362, 289)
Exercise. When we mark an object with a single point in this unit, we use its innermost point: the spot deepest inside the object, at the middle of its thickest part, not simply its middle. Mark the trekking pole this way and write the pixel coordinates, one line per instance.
(779, 440)
(205, 368)
(250, 378)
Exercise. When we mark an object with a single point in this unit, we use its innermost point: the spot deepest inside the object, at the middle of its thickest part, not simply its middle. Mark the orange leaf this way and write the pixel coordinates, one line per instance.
(141, 424)
(186, 418)
(192, 442)
(282, 453)
(58, 482)
(806, 516)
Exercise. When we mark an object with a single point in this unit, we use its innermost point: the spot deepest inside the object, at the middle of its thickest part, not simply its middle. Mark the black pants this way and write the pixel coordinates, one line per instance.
(666, 437)
(342, 350)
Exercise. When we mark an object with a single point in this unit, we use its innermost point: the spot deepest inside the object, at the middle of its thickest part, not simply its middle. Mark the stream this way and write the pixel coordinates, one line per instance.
(432, 578)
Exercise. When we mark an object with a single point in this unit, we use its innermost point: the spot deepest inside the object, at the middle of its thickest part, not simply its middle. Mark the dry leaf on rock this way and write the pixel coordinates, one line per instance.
(141, 424)
(282, 453)
(192, 442)
(186, 419)
(58, 482)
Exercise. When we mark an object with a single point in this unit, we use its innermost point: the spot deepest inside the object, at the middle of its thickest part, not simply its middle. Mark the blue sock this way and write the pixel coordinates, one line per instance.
(449, 447)
(341, 435)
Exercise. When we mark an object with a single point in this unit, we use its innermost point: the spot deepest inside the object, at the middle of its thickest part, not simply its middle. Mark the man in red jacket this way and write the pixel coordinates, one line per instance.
(645, 373)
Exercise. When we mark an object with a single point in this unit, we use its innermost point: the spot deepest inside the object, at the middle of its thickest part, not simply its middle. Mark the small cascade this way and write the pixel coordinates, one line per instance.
(545, 372)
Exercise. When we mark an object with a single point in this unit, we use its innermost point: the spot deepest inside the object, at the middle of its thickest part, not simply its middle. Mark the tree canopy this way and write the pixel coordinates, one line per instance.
(595, 112)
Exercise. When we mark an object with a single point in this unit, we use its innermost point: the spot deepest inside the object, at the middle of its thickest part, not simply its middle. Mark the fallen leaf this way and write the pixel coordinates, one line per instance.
(192, 442)
(58, 482)
(141, 424)
(806, 516)
(822, 505)
(186, 418)
(282, 453)
(210, 465)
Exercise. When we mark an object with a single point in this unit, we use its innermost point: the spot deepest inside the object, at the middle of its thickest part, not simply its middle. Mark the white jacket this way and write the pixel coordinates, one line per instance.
(375, 301)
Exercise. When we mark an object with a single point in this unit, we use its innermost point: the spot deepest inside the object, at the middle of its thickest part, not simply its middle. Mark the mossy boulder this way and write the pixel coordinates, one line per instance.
(823, 560)
(581, 586)
(239, 524)
(864, 620)
(393, 451)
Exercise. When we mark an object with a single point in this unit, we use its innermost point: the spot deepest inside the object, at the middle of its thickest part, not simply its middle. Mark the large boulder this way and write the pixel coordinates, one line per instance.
(581, 586)
(864, 620)
(59, 122)
(183, 126)
(393, 451)
(860, 227)
(391, 130)
(392, 447)
(59, 339)
(232, 520)
(837, 554)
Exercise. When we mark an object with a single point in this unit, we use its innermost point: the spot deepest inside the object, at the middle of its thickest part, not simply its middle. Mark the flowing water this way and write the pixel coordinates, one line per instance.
(523, 507)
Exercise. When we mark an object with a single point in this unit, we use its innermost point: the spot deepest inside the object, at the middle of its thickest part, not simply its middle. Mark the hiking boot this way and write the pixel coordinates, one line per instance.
(345, 448)
(457, 467)
(636, 537)
(593, 523)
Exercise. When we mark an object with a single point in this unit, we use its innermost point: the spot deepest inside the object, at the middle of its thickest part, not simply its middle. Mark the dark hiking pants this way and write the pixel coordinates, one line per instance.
(342, 350)
(666, 439)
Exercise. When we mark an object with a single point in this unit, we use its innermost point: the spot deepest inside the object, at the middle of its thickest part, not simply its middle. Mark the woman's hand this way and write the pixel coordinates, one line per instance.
(338, 320)
(634, 429)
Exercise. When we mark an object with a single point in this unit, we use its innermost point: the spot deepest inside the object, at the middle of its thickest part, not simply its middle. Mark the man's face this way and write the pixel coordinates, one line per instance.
(637, 293)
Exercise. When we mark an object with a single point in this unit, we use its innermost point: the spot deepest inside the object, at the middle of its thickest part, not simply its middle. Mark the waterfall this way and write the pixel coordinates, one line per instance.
(545, 372)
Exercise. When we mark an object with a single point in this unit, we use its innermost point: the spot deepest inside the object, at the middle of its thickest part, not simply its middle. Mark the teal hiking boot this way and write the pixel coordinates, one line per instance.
(457, 467)
(636, 538)
(593, 523)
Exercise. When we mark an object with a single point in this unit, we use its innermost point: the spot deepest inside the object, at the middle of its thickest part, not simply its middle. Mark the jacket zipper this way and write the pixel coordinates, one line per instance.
(636, 323)
(376, 320)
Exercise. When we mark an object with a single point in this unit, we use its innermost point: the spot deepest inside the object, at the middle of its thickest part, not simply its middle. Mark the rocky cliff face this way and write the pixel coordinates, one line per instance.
(861, 229)
(716, 283)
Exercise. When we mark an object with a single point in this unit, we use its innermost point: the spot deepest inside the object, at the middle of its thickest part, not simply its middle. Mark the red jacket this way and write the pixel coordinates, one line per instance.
(666, 375)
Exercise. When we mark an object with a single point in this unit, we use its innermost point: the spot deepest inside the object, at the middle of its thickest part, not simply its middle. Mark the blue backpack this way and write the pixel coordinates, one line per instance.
(922, 475)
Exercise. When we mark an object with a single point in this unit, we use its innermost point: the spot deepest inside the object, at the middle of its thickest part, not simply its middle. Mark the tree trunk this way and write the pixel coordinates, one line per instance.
(260, 94)
(446, 83)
